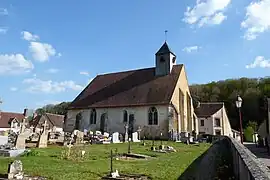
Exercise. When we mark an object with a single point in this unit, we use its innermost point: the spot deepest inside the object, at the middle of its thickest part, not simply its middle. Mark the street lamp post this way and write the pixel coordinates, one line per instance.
(238, 103)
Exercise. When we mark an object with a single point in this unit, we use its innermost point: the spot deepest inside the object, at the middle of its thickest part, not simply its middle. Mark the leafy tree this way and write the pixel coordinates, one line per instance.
(252, 90)
(54, 109)
(248, 133)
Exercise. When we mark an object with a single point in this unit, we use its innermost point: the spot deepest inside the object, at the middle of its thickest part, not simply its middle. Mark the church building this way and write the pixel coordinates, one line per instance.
(157, 100)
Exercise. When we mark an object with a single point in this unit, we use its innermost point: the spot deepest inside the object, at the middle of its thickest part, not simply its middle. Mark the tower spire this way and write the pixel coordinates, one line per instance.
(166, 31)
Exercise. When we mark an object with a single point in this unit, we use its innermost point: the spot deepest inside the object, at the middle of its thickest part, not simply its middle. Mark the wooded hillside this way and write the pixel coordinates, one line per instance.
(253, 91)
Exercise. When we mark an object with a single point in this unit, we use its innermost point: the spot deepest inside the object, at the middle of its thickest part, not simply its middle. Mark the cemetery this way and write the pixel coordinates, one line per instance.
(96, 155)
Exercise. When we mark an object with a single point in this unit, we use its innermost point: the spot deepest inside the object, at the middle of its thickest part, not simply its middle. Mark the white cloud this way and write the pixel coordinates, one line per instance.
(41, 51)
(259, 61)
(206, 12)
(42, 86)
(3, 11)
(52, 70)
(191, 49)
(29, 36)
(14, 64)
(13, 89)
(257, 19)
(3, 30)
(84, 73)
(47, 102)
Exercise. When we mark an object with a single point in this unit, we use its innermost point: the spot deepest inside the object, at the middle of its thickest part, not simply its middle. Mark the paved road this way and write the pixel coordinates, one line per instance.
(261, 153)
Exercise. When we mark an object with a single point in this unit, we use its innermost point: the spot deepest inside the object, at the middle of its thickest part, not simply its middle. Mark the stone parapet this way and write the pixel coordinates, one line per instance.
(245, 164)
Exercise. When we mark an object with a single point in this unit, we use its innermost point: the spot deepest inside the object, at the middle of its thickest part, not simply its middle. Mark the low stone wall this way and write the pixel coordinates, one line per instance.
(246, 165)
(215, 163)
(227, 159)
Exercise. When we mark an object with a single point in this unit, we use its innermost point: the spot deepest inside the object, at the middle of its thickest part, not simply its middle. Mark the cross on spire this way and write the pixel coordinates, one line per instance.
(166, 31)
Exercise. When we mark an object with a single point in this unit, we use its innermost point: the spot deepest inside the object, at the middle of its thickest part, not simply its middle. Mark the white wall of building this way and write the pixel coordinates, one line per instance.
(115, 120)
(210, 127)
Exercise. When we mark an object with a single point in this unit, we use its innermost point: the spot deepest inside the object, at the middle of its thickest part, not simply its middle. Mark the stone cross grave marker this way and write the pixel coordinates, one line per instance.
(135, 137)
(126, 132)
(15, 170)
(115, 137)
(69, 146)
(43, 138)
(20, 142)
(23, 126)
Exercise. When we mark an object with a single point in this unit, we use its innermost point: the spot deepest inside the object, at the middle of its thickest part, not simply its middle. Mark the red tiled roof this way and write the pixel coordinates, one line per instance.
(5, 117)
(130, 88)
(52, 119)
(57, 120)
(208, 109)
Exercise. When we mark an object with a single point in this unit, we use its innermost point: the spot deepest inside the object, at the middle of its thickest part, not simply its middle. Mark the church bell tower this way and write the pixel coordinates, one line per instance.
(165, 60)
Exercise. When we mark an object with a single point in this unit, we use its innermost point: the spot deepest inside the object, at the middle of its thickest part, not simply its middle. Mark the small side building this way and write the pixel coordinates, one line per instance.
(11, 121)
(212, 119)
(55, 122)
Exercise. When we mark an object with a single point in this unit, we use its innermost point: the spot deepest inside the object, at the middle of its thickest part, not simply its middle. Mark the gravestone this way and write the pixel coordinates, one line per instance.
(115, 137)
(23, 126)
(43, 138)
(15, 145)
(3, 140)
(15, 170)
(126, 133)
(20, 141)
(79, 137)
(191, 139)
(135, 137)
(106, 134)
(139, 132)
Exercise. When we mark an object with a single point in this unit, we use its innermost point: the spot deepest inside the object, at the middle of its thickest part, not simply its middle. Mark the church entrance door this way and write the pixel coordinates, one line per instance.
(103, 122)
(131, 125)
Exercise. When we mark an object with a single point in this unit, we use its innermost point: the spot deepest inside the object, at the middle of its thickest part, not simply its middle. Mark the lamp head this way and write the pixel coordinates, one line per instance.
(238, 102)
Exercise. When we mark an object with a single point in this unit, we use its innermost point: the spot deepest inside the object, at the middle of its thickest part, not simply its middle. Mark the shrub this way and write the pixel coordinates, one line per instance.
(248, 133)
(74, 154)
(32, 153)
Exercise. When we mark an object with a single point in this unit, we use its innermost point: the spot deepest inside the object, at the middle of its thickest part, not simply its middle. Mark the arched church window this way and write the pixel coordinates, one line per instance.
(78, 121)
(93, 117)
(125, 116)
(153, 116)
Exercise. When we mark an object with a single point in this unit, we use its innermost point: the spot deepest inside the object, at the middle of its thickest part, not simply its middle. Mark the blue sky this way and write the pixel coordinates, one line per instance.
(50, 50)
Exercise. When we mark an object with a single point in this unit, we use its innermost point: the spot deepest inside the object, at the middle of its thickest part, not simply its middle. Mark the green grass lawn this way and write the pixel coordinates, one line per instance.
(49, 162)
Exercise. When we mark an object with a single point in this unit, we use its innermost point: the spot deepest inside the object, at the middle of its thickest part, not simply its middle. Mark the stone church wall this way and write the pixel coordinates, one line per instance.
(115, 120)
